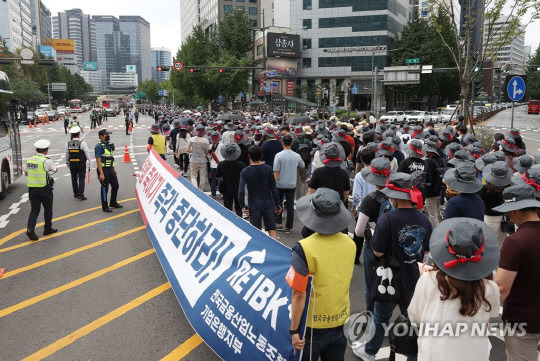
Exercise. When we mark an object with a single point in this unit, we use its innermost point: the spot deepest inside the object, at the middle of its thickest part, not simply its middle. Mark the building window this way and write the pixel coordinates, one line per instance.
(240, 1)
(254, 23)
(306, 43)
(306, 4)
(253, 1)
(306, 23)
(259, 49)
(306, 63)
(227, 8)
(252, 10)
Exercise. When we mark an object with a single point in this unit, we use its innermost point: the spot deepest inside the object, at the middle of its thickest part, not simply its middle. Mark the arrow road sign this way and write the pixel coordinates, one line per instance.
(178, 66)
(516, 88)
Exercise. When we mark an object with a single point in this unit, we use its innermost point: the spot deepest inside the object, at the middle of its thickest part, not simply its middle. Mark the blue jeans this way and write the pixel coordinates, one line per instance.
(328, 343)
(383, 312)
(213, 181)
(369, 273)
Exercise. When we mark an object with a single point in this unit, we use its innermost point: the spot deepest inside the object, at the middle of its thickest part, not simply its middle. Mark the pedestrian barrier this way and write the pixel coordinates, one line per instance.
(228, 276)
(127, 158)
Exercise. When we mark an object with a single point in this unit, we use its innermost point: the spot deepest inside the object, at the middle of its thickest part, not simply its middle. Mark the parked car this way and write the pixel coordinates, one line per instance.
(418, 117)
(110, 112)
(533, 107)
(449, 114)
(393, 117)
(435, 117)
(52, 115)
(41, 116)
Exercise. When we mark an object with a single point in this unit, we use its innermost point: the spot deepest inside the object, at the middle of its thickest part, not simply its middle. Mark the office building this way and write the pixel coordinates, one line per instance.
(189, 17)
(207, 13)
(137, 30)
(161, 57)
(16, 24)
(74, 24)
(112, 47)
(94, 78)
(427, 10)
(41, 22)
(342, 43)
(513, 54)
(124, 79)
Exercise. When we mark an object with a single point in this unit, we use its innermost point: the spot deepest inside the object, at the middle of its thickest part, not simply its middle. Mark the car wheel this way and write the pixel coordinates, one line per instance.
(4, 182)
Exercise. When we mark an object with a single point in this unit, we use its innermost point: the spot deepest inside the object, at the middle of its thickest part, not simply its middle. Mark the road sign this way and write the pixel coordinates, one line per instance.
(267, 89)
(58, 87)
(240, 95)
(412, 61)
(274, 84)
(516, 88)
(178, 66)
(354, 89)
(427, 69)
(272, 74)
(162, 92)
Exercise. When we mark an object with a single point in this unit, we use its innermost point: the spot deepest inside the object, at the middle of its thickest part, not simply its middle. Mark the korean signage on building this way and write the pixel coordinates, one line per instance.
(353, 49)
(285, 45)
(61, 45)
(290, 88)
(90, 65)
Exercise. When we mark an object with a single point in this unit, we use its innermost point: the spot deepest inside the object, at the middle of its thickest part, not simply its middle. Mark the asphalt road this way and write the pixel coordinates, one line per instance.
(96, 290)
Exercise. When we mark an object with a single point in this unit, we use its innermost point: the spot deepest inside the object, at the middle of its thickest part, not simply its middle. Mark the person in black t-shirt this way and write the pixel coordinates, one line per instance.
(331, 175)
(229, 172)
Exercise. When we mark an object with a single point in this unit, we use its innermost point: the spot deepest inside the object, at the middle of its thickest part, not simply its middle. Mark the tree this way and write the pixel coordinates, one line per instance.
(533, 77)
(151, 88)
(482, 19)
(27, 90)
(234, 34)
(419, 39)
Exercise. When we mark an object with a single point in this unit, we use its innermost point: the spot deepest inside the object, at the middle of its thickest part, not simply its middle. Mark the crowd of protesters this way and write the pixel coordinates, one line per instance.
(443, 226)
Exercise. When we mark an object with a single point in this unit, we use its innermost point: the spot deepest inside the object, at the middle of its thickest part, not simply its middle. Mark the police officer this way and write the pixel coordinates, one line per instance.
(40, 188)
(93, 119)
(66, 123)
(106, 171)
(157, 141)
(126, 120)
(77, 154)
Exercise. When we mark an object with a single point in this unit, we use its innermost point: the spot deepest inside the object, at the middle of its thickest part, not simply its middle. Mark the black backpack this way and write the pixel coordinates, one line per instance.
(304, 152)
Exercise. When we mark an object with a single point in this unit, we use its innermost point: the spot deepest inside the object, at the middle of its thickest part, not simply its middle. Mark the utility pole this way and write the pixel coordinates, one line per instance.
(375, 102)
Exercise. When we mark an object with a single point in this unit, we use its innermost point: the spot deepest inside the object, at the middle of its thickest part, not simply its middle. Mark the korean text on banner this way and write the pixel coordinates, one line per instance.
(228, 276)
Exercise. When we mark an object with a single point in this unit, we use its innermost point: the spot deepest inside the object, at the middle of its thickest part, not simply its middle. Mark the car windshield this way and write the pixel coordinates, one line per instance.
(391, 113)
(448, 111)
(416, 113)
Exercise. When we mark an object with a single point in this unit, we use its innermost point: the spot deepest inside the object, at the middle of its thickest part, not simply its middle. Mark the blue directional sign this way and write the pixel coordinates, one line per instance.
(354, 89)
(220, 99)
(516, 88)
(161, 92)
(241, 95)
(272, 73)
(274, 84)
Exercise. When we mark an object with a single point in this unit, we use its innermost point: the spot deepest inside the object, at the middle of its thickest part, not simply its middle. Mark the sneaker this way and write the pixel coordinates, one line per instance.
(49, 231)
(279, 227)
(32, 235)
(284, 230)
(359, 349)
(83, 198)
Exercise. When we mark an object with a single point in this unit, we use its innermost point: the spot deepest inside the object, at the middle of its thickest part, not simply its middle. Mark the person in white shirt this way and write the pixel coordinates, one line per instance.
(199, 147)
(458, 293)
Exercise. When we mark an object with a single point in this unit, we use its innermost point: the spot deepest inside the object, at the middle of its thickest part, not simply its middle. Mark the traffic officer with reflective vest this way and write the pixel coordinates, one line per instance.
(77, 154)
(157, 141)
(39, 169)
(106, 171)
(93, 119)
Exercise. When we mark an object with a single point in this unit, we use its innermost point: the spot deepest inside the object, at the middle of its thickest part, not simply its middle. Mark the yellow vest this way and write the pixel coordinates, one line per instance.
(159, 143)
(37, 175)
(330, 261)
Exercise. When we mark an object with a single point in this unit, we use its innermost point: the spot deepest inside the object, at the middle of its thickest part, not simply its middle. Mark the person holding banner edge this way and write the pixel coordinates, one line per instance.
(328, 255)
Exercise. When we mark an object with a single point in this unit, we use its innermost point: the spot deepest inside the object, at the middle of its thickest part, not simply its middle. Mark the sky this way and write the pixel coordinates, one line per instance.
(164, 17)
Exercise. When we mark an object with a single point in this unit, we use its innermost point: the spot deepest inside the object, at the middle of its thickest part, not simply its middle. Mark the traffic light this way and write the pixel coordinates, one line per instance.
(224, 70)
(477, 69)
(478, 86)
(194, 70)
(163, 68)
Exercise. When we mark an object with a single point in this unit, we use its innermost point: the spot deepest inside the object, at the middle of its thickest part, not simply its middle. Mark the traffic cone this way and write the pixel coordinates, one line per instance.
(130, 128)
(35, 123)
(48, 121)
(127, 158)
(29, 124)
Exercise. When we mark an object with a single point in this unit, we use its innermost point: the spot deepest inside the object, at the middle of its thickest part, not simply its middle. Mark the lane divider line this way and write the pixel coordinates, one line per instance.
(70, 253)
(9, 237)
(184, 349)
(31, 301)
(94, 325)
(69, 230)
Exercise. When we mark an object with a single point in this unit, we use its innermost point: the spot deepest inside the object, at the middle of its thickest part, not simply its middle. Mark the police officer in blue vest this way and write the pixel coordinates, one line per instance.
(106, 171)
(39, 169)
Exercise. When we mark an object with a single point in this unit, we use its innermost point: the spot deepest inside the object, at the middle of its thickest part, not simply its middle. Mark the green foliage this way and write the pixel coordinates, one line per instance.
(533, 77)
(229, 47)
(151, 88)
(419, 39)
(27, 90)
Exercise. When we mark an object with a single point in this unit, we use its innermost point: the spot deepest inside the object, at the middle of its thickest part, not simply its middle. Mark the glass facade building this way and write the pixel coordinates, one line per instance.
(161, 57)
(138, 31)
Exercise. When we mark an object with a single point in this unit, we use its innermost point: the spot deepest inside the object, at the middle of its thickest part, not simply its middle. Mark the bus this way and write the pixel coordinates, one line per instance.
(110, 106)
(75, 105)
(10, 139)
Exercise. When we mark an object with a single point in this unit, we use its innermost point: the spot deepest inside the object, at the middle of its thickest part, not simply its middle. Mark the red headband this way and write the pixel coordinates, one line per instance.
(327, 160)
(474, 155)
(416, 195)
(514, 133)
(388, 148)
(385, 172)
(238, 137)
(416, 150)
(450, 137)
(508, 144)
(416, 133)
(476, 257)
(530, 182)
